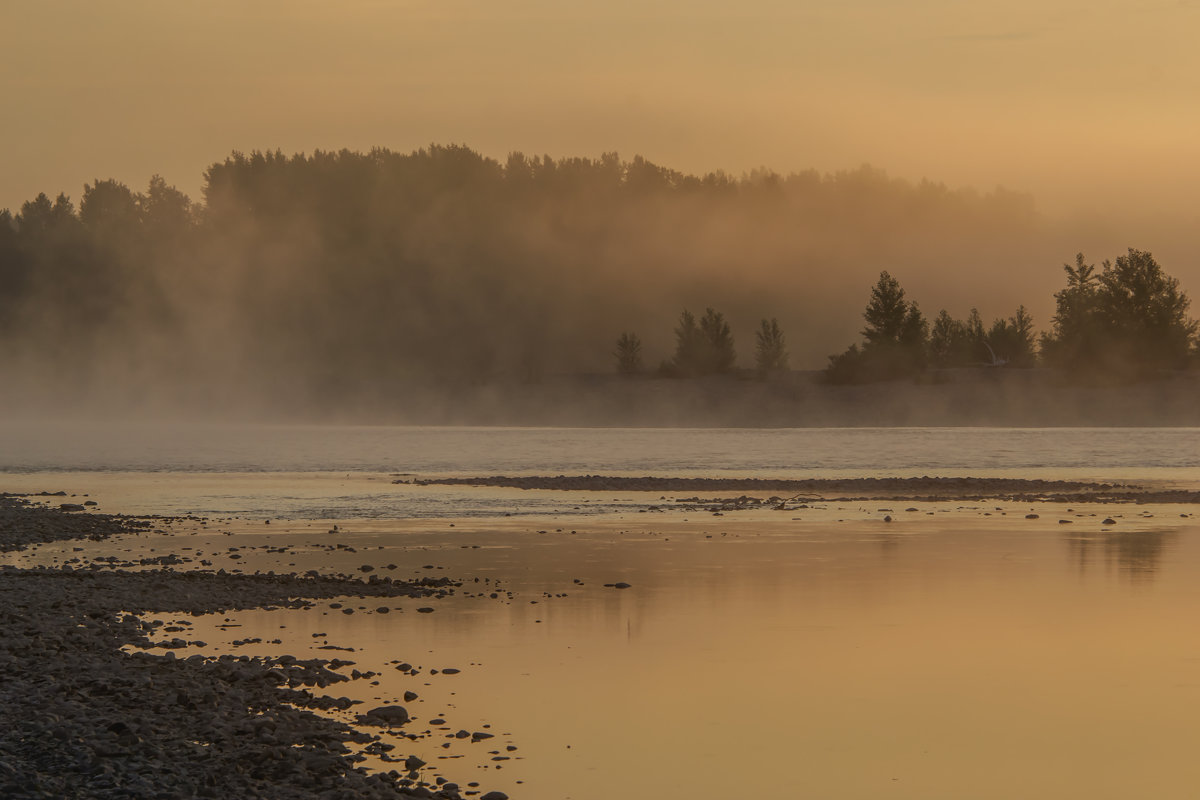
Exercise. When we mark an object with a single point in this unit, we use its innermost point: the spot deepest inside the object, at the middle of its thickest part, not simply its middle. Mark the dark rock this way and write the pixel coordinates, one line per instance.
(385, 715)
(88, 712)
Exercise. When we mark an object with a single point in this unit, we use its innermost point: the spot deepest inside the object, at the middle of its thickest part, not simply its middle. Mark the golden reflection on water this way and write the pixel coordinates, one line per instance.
(953, 656)
(1137, 555)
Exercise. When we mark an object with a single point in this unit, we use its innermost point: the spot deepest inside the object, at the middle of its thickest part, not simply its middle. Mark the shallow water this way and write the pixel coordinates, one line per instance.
(960, 651)
(295, 472)
(1092, 453)
(944, 656)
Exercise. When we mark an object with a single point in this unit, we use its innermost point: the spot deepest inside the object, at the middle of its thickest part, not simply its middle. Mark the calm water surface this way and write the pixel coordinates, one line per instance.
(346, 472)
(943, 656)
(788, 452)
(961, 651)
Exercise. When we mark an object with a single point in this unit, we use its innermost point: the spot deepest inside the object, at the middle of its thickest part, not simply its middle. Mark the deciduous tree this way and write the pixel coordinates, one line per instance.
(628, 354)
(704, 347)
(1129, 319)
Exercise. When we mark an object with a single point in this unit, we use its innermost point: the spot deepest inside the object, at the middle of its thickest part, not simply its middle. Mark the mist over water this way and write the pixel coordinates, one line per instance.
(261, 337)
(332, 472)
(423, 451)
(434, 286)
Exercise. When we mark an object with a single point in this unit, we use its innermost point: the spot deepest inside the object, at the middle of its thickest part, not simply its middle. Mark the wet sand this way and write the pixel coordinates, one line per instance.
(100, 632)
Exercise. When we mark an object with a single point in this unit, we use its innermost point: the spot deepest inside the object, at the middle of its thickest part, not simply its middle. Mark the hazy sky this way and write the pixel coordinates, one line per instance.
(1086, 104)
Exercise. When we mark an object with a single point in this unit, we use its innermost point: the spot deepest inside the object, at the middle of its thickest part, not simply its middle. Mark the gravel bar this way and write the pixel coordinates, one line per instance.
(89, 715)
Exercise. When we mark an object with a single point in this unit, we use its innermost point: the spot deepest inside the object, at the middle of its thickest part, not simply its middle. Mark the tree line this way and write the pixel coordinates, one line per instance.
(335, 274)
(706, 347)
(1127, 321)
(329, 275)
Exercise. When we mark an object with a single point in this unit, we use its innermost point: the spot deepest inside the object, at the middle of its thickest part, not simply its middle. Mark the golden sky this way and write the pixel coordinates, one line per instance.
(1088, 105)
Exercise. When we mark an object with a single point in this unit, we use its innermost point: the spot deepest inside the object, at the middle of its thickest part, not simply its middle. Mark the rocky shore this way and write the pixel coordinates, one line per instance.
(89, 714)
(23, 523)
(774, 490)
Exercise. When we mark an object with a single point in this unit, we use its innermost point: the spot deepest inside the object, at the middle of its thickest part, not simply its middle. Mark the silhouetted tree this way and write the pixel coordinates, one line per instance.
(110, 209)
(166, 211)
(895, 339)
(977, 337)
(958, 343)
(951, 343)
(40, 216)
(704, 347)
(1145, 313)
(13, 269)
(342, 274)
(1130, 319)
(629, 354)
(770, 349)
(718, 352)
(1011, 341)
(689, 346)
(886, 313)
(1074, 340)
(849, 366)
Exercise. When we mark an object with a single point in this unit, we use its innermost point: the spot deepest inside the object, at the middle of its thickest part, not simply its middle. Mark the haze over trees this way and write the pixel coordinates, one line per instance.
(703, 347)
(894, 341)
(965, 343)
(770, 348)
(313, 279)
(328, 275)
(1128, 319)
(629, 354)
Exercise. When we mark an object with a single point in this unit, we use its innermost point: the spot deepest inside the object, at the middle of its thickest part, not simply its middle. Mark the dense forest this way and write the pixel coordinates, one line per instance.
(322, 276)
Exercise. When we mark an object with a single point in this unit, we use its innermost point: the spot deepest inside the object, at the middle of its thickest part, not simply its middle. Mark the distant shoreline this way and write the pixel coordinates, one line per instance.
(1029, 398)
(972, 397)
(779, 492)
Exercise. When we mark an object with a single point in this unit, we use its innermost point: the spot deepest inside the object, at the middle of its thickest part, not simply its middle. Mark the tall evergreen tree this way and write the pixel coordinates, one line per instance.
(886, 313)
(770, 351)
(1074, 339)
(895, 338)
